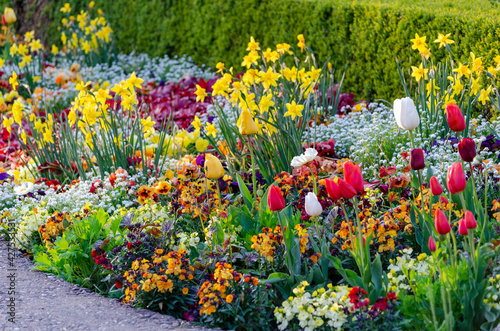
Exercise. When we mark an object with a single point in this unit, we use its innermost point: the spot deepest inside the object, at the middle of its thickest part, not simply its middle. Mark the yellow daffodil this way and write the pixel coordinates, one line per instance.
(17, 111)
(101, 96)
(2, 62)
(462, 70)
(13, 81)
(250, 59)
(211, 130)
(7, 123)
(269, 77)
(485, 95)
(220, 68)
(475, 86)
(302, 42)
(147, 123)
(419, 42)
(283, 48)
(265, 103)
(196, 123)
(294, 110)
(201, 93)
(133, 81)
(66, 8)
(419, 72)
(271, 56)
(253, 45)
(443, 40)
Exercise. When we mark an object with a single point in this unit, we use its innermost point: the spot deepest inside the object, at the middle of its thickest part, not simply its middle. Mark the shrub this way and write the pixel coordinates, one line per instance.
(371, 34)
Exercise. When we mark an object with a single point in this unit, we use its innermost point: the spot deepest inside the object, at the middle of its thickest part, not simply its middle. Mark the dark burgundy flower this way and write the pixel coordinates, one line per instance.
(417, 159)
(467, 149)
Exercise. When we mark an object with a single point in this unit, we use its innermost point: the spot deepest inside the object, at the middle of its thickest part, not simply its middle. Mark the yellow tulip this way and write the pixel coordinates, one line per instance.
(213, 167)
(9, 16)
(246, 124)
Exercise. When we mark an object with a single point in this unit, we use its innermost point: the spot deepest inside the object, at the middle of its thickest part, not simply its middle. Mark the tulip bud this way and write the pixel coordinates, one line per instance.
(275, 199)
(9, 15)
(417, 159)
(406, 114)
(333, 189)
(432, 244)
(436, 189)
(470, 221)
(455, 118)
(462, 228)
(352, 175)
(441, 223)
(213, 167)
(246, 124)
(456, 178)
(444, 201)
(346, 189)
(467, 149)
(313, 207)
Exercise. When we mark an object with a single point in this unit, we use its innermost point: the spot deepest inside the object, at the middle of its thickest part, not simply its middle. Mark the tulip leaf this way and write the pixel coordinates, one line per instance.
(275, 277)
(245, 193)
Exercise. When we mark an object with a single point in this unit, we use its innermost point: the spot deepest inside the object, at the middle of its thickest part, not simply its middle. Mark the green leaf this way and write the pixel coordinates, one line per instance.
(275, 277)
(245, 193)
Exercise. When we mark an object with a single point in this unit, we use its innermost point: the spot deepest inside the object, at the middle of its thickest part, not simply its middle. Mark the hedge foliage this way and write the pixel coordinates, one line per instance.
(366, 35)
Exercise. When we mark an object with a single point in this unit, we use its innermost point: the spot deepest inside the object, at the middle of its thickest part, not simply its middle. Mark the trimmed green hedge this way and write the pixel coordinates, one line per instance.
(367, 35)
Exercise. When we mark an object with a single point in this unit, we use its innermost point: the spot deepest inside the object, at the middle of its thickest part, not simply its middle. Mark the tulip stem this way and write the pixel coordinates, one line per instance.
(314, 179)
(287, 253)
(359, 236)
(253, 170)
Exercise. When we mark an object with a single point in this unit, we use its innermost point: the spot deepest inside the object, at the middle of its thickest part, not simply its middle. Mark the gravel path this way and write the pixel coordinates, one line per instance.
(46, 302)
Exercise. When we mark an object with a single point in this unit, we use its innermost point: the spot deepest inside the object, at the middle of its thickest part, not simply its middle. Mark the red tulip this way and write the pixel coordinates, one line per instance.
(441, 223)
(333, 189)
(470, 221)
(455, 118)
(467, 149)
(352, 174)
(432, 244)
(346, 189)
(444, 201)
(436, 189)
(462, 227)
(417, 159)
(275, 199)
(456, 178)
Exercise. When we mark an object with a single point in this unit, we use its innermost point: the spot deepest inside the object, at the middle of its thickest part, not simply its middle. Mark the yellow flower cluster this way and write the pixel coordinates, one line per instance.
(161, 274)
(84, 32)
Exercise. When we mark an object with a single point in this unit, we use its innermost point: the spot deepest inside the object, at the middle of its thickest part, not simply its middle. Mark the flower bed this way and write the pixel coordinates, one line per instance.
(266, 199)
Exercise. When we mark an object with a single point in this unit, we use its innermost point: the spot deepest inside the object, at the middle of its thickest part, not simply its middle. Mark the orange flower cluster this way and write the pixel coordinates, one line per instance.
(213, 293)
(193, 188)
(267, 242)
(145, 193)
(54, 227)
(303, 237)
(496, 206)
(165, 273)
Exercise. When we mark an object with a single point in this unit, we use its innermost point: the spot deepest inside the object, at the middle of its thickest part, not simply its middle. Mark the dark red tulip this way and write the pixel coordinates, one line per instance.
(417, 159)
(467, 149)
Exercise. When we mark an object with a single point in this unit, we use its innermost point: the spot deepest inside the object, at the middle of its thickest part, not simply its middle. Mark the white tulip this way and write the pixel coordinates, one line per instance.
(24, 188)
(313, 207)
(304, 158)
(406, 114)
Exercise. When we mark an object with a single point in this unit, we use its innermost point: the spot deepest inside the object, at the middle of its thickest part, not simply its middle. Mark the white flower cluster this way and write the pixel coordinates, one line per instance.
(322, 308)
(187, 241)
(402, 271)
